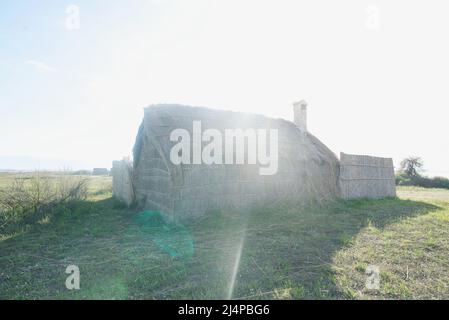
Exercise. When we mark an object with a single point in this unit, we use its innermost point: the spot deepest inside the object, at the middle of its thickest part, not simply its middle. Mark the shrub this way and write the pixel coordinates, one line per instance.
(403, 179)
(38, 194)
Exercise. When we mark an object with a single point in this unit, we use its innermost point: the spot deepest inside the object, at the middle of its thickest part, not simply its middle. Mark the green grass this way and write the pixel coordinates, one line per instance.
(288, 251)
(412, 253)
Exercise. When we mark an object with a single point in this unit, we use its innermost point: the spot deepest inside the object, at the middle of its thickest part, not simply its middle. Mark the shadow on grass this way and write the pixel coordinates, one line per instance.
(281, 251)
(291, 257)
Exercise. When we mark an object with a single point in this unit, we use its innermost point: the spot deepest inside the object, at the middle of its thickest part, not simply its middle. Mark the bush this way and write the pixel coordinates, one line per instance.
(38, 195)
(437, 182)
(403, 179)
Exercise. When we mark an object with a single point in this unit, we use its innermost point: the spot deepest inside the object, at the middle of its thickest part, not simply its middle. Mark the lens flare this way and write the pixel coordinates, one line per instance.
(236, 265)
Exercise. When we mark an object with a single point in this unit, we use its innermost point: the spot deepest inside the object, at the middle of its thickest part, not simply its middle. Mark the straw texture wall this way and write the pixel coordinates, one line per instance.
(122, 187)
(366, 177)
(307, 168)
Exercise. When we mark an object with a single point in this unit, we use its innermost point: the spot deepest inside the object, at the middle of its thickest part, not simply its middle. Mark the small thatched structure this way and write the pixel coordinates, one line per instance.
(364, 176)
(122, 186)
(100, 172)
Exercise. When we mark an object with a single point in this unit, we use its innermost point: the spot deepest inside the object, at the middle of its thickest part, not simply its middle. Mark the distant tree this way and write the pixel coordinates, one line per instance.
(411, 166)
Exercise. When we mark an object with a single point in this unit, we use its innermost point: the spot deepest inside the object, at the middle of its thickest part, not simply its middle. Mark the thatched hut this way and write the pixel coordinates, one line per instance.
(305, 168)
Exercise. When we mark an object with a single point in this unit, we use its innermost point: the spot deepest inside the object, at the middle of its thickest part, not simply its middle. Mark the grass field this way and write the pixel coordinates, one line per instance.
(286, 251)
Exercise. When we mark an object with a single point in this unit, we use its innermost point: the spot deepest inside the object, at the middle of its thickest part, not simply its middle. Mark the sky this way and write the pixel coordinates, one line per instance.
(76, 75)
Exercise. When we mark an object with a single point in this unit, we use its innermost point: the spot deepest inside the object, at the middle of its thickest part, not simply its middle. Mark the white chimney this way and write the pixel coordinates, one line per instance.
(300, 115)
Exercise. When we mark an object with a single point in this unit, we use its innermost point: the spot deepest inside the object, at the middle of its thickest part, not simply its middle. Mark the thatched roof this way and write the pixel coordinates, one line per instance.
(307, 169)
